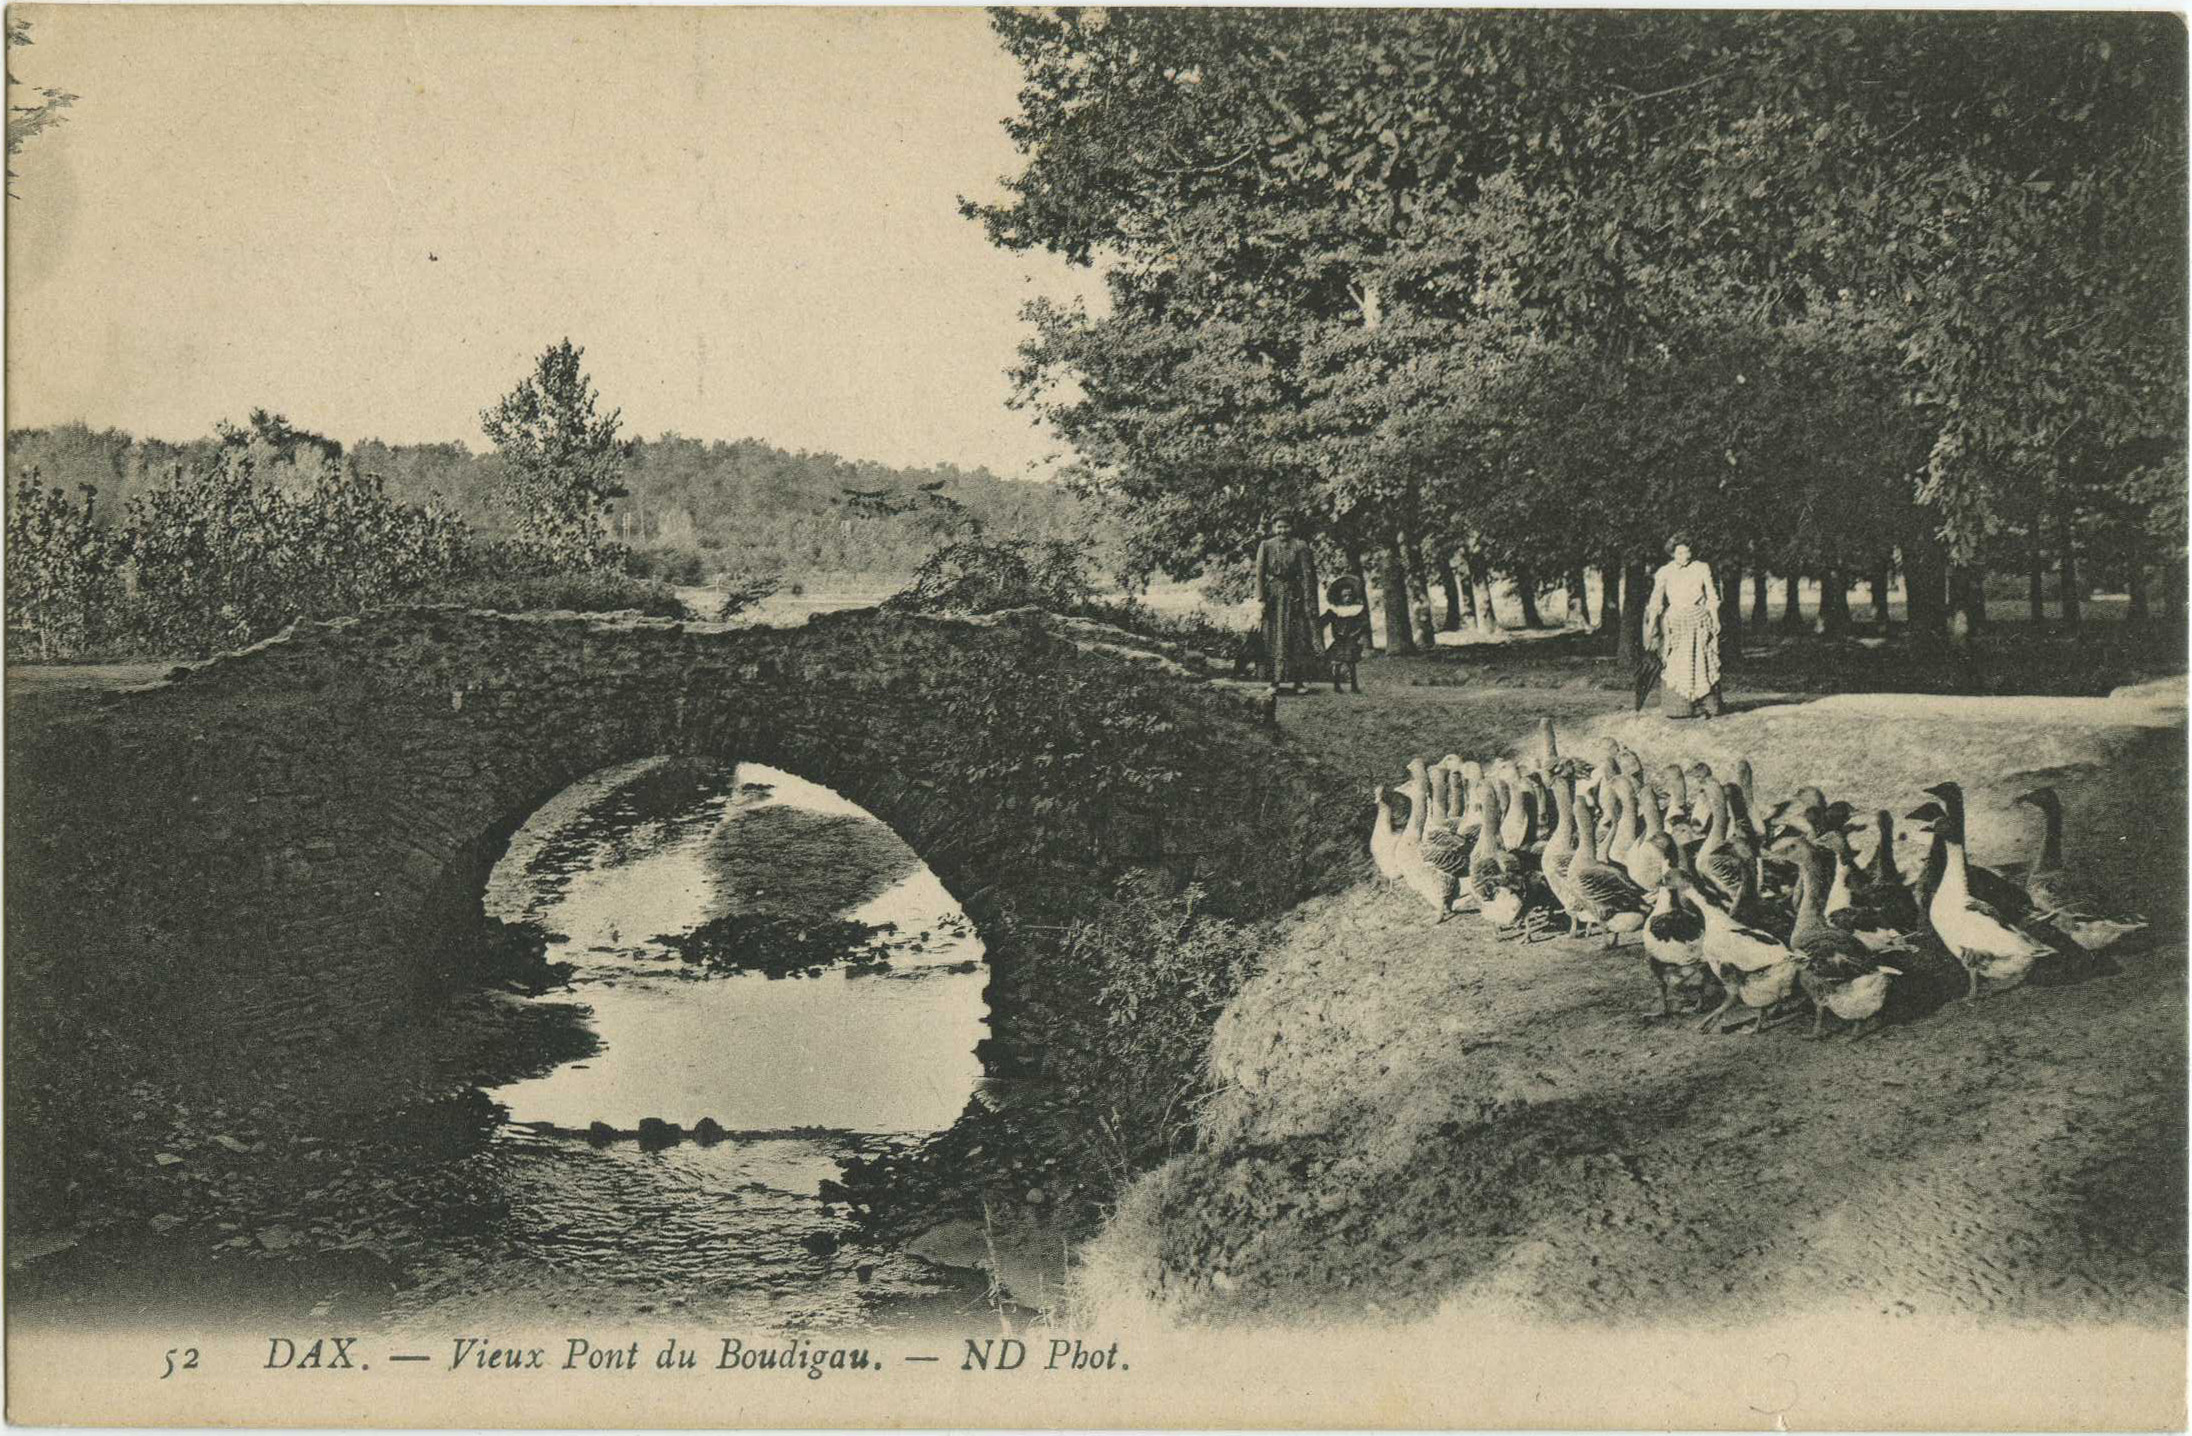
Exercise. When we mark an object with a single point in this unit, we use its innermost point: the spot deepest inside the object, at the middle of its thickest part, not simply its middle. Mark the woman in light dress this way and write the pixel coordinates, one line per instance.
(1682, 620)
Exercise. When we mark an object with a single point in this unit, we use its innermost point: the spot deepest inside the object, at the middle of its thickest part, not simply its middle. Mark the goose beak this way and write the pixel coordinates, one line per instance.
(1931, 812)
(1941, 790)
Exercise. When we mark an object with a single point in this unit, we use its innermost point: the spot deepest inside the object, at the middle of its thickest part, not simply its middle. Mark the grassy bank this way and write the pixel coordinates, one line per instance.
(1414, 1117)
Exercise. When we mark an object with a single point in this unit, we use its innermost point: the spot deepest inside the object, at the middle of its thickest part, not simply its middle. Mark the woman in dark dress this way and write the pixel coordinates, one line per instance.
(1286, 586)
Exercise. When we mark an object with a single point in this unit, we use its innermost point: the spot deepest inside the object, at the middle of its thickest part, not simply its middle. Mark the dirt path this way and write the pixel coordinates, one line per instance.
(1417, 1116)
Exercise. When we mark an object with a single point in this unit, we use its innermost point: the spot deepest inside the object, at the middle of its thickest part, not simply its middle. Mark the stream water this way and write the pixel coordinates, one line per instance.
(663, 885)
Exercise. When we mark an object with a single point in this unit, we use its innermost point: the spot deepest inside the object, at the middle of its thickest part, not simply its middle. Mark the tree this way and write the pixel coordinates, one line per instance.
(25, 121)
(1536, 286)
(562, 463)
(281, 438)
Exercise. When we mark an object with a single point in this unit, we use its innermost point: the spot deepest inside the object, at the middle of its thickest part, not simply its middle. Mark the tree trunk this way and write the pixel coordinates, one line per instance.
(1635, 585)
(1480, 574)
(1834, 615)
(1925, 583)
(1792, 607)
(1609, 596)
(1758, 599)
(1419, 590)
(1450, 583)
(1393, 595)
(1967, 601)
(1526, 595)
(2173, 592)
(1730, 579)
(2035, 583)
(1579, 602)
(1879, 580)
(2137, 615)
(2073, 595)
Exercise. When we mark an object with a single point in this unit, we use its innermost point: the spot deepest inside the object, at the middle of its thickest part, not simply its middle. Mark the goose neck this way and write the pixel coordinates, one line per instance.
(1586, 834)
(1955, 867)
(1716, 820)
(2051, 841)
(1936, 866)
(1811, 892)
(1884, 860)
(1417, 791)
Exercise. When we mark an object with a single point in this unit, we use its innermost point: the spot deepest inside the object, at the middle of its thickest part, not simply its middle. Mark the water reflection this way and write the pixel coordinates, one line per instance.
(800, 1072)
(861, 1053)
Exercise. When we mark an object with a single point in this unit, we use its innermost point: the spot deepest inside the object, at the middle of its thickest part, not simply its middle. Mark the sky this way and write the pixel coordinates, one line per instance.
(373, 220)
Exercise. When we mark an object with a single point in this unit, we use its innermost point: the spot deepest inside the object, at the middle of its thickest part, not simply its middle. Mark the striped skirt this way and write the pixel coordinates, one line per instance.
(1691, 654)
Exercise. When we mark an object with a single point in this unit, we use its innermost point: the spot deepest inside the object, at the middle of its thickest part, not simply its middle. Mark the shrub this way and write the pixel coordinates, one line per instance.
(1120, 1026)
(1200, 630)
(64, 580)
(219, 557)
(743, 591)
(978, 575)
(1158, 972)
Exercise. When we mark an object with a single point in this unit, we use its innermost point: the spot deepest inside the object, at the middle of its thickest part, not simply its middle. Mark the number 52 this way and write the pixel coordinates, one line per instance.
(189, 1355)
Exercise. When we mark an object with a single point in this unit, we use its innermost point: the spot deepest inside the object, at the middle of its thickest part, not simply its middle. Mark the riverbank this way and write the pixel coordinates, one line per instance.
(1418, 1119)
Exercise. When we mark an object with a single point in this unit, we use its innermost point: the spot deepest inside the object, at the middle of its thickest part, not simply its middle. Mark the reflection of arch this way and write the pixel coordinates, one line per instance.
(312, 816)
(772, 1055)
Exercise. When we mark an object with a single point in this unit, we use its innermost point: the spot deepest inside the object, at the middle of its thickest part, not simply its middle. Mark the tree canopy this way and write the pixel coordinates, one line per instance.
(44, 112)
(1540, 286)
(562, 460)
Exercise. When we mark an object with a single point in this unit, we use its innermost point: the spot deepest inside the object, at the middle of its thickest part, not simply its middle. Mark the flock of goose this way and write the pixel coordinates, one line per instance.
(1774, 907)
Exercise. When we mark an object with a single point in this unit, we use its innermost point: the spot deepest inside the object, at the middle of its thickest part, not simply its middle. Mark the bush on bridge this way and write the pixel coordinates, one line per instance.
(983, 575)
(63, 578)
(230, 552)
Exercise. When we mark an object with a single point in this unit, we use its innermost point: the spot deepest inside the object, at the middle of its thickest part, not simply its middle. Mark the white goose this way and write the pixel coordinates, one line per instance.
(1757, 971)
(1984, 940)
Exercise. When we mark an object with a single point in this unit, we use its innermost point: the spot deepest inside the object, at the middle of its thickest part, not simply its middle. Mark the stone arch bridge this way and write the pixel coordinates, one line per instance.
(290, 839)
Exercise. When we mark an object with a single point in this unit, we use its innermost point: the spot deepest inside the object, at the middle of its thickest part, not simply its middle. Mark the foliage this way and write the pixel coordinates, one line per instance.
(221, 557)
(63, 572)
(1199, 630)
(979, 575)
(280, 438)
(561, 460)
(1154, 972)
(744, 506)
(1120, 1024)
(1528, 285)
(743, 591)
(671, 565)
(235, 549)
(25, 121)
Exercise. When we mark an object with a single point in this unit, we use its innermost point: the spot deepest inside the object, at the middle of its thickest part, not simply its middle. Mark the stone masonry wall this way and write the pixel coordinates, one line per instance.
(292, 830)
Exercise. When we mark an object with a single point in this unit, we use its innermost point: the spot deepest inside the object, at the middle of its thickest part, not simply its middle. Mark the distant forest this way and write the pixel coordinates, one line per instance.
(695, 507)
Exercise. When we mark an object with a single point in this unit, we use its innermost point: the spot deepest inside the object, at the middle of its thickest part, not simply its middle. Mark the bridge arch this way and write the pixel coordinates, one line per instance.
(312, 818)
